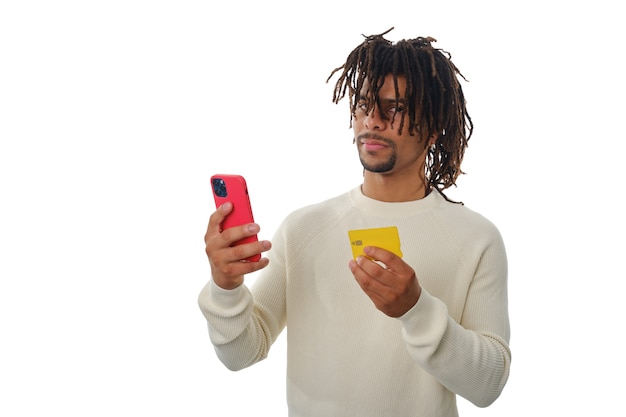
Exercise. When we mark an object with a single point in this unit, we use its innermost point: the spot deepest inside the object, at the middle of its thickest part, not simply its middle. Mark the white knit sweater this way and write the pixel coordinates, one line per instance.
(346, 358)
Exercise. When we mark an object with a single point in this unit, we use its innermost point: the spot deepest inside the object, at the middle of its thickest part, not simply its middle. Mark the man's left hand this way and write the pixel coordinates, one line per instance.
(389, 281)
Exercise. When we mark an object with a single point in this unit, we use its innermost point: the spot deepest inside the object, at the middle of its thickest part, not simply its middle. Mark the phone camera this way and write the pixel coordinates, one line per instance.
(219, 187)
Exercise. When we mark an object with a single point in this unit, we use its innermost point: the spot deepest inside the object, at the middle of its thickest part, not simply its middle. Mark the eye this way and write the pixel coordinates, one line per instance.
(396, 109)
(361, 105)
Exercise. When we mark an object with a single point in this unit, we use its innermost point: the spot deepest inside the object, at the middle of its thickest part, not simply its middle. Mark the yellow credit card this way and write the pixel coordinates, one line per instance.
(382, 237)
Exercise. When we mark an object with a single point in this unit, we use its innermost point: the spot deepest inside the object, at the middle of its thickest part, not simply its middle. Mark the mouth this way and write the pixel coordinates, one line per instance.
(373, 143)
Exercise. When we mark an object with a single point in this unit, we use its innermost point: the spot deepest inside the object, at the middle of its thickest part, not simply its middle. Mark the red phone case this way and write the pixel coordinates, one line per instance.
(233, 188)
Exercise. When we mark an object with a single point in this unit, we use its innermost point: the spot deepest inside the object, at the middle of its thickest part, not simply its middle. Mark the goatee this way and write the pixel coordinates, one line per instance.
(384, 166)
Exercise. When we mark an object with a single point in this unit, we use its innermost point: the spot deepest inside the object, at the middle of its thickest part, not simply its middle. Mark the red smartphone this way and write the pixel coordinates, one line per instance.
(233, 188)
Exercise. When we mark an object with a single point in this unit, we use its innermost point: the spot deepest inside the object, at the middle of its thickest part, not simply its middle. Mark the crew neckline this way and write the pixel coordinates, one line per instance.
(365, 203)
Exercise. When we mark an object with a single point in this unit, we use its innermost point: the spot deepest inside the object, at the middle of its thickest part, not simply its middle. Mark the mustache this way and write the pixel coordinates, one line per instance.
(375, 137)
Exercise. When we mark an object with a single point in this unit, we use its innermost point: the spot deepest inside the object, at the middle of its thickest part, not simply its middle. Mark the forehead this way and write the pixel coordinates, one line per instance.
(387, 90)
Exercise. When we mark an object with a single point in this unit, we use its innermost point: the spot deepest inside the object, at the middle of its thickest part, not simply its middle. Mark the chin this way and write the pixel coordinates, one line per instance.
(379, 168)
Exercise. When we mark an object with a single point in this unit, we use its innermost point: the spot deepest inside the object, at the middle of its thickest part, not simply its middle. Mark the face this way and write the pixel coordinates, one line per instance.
(381, 148)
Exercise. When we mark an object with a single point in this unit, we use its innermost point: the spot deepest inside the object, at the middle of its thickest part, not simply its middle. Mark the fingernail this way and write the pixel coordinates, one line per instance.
(253, 228)
(227, 205)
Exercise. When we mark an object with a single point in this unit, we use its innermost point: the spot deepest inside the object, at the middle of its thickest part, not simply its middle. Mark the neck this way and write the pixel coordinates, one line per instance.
(393, 190)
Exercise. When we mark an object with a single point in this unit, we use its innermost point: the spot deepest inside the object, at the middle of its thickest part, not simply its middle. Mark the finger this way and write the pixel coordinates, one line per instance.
(232, 275)
(368, 275)
(227, 267)
(390, 260)
(227, 246)
(240, 268)
(237, 233)
(214, 227)
(247, 250)
(379, 278)
(389, 292)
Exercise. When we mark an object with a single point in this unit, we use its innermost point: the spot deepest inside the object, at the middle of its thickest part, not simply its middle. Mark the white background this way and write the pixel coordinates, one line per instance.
(114, 114)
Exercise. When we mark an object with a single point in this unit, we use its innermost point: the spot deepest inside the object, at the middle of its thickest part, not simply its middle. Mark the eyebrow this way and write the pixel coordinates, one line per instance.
(385, 100)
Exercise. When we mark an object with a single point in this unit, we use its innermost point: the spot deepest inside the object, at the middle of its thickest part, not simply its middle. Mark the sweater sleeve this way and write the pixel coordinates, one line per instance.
(240, 331)
(470, 357)
(244, 322)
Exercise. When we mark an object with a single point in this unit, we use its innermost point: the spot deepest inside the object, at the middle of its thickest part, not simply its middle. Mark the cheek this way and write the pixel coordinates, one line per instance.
(357, 126)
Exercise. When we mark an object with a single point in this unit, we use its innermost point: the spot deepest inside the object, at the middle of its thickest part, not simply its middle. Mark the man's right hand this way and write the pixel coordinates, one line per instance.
(227, 266)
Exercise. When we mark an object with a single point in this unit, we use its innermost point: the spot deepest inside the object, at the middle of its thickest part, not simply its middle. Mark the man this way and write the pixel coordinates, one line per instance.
(381, 335)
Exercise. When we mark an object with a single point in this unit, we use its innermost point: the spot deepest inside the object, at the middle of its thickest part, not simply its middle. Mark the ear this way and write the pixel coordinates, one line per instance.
(432, 140)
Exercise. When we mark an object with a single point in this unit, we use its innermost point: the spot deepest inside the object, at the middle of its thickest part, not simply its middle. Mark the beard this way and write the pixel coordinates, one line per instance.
(383, 166)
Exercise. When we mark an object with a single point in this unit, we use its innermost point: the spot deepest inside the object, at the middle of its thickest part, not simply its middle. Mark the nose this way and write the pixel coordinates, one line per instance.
(374, 120)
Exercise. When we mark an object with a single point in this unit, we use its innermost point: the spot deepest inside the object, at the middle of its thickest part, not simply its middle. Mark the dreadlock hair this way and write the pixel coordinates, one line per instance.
(435, 103)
